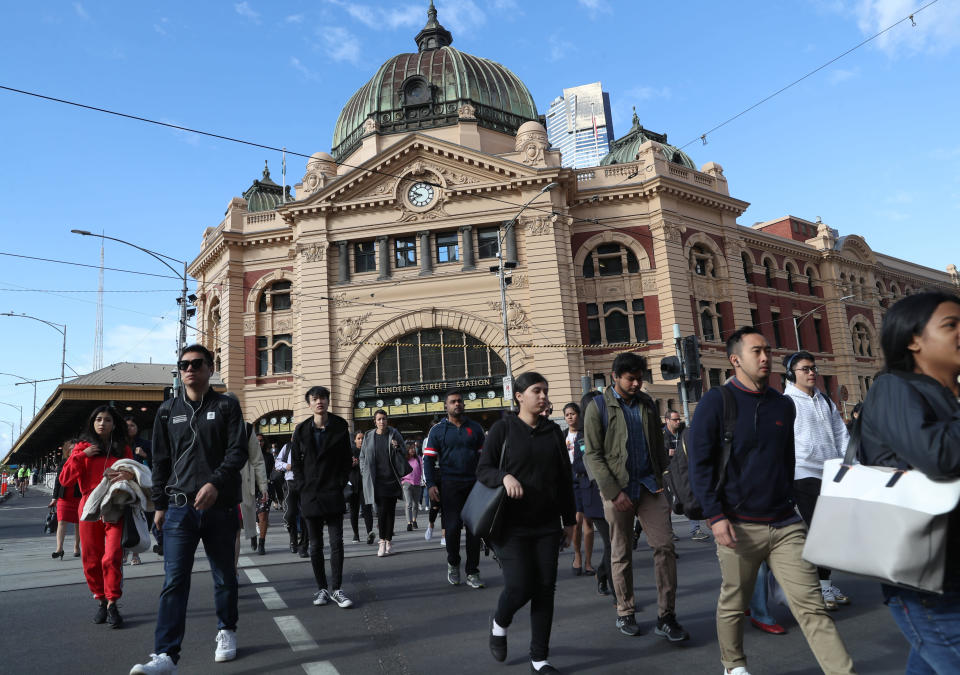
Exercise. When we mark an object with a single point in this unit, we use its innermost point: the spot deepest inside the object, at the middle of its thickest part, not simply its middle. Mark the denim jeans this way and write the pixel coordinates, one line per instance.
(931, 624)
(184, 528)
(758, 602)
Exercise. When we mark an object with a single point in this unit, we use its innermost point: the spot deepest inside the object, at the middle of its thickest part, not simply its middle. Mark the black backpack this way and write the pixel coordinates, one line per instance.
(678, 479)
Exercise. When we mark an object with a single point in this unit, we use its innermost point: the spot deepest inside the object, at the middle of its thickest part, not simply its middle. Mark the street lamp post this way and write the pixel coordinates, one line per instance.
(500, 269)
(26, 381)
(20, 408)
(59, 327)
(11, 432)
(797, 321)
(183, 300)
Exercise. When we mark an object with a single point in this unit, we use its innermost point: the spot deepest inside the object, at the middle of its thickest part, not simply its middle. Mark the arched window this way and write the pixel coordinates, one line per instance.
(809, 274)
(213, 332)
(276, 297)
(610, 260)
(709, 322)
(747, 268)
(274, 349)
(789, 267)
(862, 344)
(768, 272)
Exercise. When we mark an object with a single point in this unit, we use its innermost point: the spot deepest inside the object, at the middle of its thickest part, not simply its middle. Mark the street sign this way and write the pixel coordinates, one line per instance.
(508, 389)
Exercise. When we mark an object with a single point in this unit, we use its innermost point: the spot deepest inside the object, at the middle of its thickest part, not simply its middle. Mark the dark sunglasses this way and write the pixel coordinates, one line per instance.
(185, 364)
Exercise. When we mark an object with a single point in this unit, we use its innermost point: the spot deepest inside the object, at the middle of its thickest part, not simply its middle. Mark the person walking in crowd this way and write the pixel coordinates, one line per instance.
(672, 431)
(355, 501)
(819, 434)
(199, 447)
(411, 485)
(382, 466)
(321, 458)
(453, 448)
(263, 498)
(275, 475)
(66, 499)
(625, 454)
(291, 509)
(911, 419)
(253, 484)
(582, 563)
(538, 515)
(141, 449)
(102, 443)
(752, 512)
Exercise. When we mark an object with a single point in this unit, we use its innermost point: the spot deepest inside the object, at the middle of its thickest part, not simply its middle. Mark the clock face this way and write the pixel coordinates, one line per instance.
(472, 396)
(420, 194)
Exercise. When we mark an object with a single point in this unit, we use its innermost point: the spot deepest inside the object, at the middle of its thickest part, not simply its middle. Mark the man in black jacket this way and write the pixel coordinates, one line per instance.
(321, 459)
(199, 447)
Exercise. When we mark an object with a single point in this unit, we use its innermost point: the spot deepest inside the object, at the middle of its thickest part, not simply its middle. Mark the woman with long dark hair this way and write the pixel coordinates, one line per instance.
(581, 491)
(911, 419)
(382, 467)
(538, 514)
(102, 443)
(356, 501)
(66, 498)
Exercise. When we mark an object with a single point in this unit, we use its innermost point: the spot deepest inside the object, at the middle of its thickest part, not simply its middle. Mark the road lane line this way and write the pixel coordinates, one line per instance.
(271, 598)
(295, 633)
(244, 561)
(255, 576)
(320, 668)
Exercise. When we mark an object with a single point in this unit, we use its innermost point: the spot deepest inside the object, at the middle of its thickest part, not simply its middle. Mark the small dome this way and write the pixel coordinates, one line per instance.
(531, 126)
(426, 90)
(319, 157)
(264, 194)
(626, 148)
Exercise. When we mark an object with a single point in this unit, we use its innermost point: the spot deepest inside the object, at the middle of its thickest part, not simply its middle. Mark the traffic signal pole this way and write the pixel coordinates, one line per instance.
(678, 342)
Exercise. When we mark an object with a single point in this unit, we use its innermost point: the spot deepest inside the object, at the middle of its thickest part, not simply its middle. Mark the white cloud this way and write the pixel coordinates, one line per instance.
(298, 65)
(648, 93)
(154, 339)
(460, 16)
(161, 26)
(558, 48)
(246, 11)
(81, 11)
(937, 29)
(842, 75)
(595, 6)
(340, 44)
(294, 18)
(380, 18)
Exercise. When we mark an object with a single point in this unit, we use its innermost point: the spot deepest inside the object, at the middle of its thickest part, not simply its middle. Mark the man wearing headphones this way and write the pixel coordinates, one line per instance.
(819, 435)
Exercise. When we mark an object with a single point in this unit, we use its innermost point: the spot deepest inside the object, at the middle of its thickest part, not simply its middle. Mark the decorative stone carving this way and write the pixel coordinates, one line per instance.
(348, 332)
(340, 299)
(531, 143)
(540, 225)
(282, 325)
(671, 232)
(369, 126)
(467, 112)
(516, 316)
(311, 253)
(249, 324)
(649, 283)
(520, 281)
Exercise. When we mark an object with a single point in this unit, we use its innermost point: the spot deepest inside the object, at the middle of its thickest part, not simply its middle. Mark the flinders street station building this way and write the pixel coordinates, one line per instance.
(373, 276)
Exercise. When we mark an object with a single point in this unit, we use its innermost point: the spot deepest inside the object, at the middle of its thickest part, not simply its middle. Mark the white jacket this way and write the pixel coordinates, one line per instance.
(107, 500)
(819, 432)
(254, 472)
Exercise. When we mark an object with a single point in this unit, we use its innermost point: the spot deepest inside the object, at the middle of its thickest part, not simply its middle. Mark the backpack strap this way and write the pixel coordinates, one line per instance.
(601, 402)
(729, 424)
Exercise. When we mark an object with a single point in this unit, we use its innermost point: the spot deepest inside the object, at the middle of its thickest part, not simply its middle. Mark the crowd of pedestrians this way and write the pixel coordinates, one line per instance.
(752, 468)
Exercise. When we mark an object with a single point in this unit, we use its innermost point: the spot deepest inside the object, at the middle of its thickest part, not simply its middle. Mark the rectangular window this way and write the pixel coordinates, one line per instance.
(280, 296)
(406, 252)
(828, 385)
(716, 377)
(409, 354)
(282, 354)
(448, 249)
(432, 356)
(777, 338)
(639, 321)
(387, 371)
(263, 357)
(454, 356)
(615, 322)
(364, 257)
(476, 358)
(817, 328)
(487, 245)
(599, 382)
(753, 318)
(593, 323)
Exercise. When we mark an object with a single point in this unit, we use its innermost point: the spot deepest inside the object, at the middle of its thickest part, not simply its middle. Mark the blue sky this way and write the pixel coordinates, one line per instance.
(869, 144)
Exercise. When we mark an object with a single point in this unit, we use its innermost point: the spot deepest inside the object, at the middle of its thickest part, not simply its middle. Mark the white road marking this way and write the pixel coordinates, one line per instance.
(244, 561)
(320, 668)
(271, 598)
(295, 633)
(255, 576)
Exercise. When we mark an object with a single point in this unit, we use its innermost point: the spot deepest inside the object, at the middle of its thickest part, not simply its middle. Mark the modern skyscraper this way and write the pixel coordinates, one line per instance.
(580, 126)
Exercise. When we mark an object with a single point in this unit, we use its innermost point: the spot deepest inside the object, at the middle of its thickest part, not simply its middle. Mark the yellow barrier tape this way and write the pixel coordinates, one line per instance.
(519, 345)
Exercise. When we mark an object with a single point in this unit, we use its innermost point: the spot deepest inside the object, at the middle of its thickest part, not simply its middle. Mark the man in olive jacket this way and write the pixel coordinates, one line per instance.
(625, 454)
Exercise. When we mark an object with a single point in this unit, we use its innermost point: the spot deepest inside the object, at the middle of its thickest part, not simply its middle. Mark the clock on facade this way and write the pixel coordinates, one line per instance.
(416, 399)
(472, 396)
(420, 194)
(397, 401)
(434, 399)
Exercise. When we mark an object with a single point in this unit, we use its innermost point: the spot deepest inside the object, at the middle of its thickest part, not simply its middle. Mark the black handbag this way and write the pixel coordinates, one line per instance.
(131, 536)
(481, 512)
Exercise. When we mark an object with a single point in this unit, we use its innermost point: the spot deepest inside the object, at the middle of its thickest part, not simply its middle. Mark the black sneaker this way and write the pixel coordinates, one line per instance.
(628, 625)
(602, 588)
(303, 552)
(253, 543)
(409, 527)
(668, 628)
(113, 616)
(370, 537)
(101, 615)
(498, 645)
(547, 669)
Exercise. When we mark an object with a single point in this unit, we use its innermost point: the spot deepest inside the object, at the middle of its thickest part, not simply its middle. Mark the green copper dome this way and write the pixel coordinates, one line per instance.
(624, 150)
(264, 194)
(427, 90)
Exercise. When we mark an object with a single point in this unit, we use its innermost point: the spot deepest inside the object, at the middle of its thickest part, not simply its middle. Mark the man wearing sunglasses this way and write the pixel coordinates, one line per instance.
(819, 435)
(199, 447)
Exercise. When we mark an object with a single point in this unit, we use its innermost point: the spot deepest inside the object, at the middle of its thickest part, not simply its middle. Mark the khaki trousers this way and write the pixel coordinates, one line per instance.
(781, 548)
(653, 511)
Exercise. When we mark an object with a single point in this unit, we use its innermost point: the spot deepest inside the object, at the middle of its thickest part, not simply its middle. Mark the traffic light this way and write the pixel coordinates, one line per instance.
(670, 368)
(694, 389)
(691, 357)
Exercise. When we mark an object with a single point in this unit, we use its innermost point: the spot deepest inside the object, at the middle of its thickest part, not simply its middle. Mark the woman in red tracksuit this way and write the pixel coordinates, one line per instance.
(102, 443)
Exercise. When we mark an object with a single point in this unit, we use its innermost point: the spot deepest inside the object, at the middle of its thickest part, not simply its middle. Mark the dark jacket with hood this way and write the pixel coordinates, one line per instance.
(910, 420)
(537, 457)
(192, 448)
(320, 472)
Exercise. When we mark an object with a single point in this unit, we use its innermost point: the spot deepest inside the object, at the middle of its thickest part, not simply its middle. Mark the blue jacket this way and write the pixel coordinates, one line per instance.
(759, 482)
(457, 450)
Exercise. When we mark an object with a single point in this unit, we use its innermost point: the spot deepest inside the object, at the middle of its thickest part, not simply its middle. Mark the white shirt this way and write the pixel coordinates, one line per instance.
(819, 432)
(571, 443)
(283, 458)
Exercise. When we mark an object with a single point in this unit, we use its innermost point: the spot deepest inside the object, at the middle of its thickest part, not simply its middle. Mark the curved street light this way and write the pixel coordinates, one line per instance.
(18, 407)
(798, 320)
(59, 327)
(26, 381)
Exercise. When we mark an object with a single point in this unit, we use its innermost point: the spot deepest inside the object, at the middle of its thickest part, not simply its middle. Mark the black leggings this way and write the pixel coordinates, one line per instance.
(334, 525)
(529, 563)
(603, 528)
(386, 514)
(805, 494)
(356, 507)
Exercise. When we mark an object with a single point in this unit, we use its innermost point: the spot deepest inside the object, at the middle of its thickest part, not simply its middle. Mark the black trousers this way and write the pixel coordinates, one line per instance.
(529, 561)
(386, 514)
(291, 513)
(434, 507)
(453, 495)
(805, 494)
(356, 508)
(334, 525)
(603, 569)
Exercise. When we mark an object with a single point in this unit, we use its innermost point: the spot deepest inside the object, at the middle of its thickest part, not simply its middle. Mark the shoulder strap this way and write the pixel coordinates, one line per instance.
(729, 424)
(601, 402)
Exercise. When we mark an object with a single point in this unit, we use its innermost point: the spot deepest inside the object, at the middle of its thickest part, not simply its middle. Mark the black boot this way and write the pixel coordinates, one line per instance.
(101, 615)
(260, 549)
(253, 543)
(113, 616)
(293, 541)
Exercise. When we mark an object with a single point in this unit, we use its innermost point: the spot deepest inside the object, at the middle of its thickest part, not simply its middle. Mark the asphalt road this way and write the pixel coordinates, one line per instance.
(406, 619)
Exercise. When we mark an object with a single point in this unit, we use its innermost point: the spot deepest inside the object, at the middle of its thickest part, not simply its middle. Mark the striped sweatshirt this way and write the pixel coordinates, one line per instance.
(819, 432)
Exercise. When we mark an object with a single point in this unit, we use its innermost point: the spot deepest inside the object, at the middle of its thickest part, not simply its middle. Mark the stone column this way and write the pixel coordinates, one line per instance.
(383, 252)
(510, 239)
(426, 262)
(466, 245)
(343, 275)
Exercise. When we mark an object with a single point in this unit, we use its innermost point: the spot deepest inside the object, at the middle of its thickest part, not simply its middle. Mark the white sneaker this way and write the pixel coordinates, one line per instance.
(443, 541)
(321, 597)
(159, 664)
(226, 646)
(739, 670)
(428, 533)
(829, 599)
(341, 599)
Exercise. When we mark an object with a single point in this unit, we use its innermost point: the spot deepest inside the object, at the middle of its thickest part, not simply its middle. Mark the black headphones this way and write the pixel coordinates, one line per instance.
(787, 363)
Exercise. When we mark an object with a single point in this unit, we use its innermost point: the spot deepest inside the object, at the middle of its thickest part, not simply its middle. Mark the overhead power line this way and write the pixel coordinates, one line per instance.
(96, 267)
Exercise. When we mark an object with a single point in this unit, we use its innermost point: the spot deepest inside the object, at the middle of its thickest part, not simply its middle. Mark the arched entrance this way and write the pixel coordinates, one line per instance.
(408, 379)
(276, 427)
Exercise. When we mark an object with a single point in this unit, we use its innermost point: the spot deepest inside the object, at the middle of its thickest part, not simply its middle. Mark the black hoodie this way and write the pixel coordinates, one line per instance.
(537, 457)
